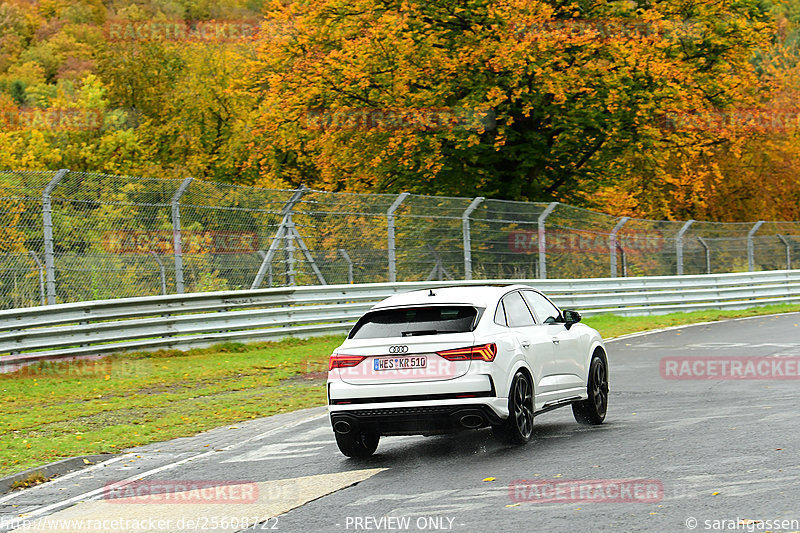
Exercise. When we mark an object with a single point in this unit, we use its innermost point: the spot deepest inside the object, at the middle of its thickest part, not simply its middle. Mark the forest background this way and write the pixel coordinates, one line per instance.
(666, 109)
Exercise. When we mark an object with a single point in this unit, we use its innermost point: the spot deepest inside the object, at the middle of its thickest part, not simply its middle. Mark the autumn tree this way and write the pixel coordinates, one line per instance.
(600, 105)
(578, 92)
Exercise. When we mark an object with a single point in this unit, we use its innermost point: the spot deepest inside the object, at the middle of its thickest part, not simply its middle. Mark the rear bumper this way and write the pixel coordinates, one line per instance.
(422, 408)
(418, 420)
(339, 390)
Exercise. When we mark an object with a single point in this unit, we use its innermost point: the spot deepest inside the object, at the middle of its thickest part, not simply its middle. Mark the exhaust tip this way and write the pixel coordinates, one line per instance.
(471, 421)
(342, 427)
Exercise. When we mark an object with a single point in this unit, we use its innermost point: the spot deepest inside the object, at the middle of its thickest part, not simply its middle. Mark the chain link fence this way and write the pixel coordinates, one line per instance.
(75, 236)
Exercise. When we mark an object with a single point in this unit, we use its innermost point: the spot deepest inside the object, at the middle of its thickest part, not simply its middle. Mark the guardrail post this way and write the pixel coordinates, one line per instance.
(751, 246)
(788, 246)
(47, 227)
(542, 239)
(176, 233)
(467, 240)
(679, 245)
(707, 248)
(41, 276)
(162, 271)
(390, 236)
(349, 262)
(266, 262)
(612, 245)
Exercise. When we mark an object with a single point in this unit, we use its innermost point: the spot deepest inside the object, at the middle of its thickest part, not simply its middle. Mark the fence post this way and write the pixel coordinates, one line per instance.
(349, 262)
(467, 240)
(542, 242)
(162, 271)
(290, 261)
(788, 246)
(679, 245)
(266, 262)
(612, 244)
(751, 246)
(263, 255)
(176, 233)
(707, 249)
(41, 275)
(47, 226)
(621, 251)
(292, 230)
(390, 236)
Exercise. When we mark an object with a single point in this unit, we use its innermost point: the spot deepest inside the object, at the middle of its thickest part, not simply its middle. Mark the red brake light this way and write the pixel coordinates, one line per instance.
(484, 352)
(339, 360)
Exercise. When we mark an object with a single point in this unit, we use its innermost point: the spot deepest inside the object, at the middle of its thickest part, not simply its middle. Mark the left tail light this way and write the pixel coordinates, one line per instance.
(484, 352)
(339, 360)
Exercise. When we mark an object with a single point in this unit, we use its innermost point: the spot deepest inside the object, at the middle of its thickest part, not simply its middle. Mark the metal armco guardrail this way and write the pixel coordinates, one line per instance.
(201, 319)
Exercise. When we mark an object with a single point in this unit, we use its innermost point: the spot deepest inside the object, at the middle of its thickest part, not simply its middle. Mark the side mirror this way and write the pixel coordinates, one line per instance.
(571, 317)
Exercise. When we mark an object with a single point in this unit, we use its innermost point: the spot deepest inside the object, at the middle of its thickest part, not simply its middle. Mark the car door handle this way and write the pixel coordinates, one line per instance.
(526, 345)
(556, 341)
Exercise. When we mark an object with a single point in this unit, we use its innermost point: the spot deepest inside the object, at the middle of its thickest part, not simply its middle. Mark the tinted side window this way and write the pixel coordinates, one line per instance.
(546, 312)
(517, 313)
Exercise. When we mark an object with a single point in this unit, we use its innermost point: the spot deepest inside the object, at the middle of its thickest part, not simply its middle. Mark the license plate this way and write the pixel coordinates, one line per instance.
(400, 363)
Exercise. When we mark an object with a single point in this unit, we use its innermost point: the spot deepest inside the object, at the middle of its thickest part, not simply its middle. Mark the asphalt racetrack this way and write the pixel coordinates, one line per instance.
(676, 453)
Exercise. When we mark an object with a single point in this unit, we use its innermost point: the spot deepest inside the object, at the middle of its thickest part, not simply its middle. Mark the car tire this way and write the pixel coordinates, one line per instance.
(518, 427)
(592, 411)
(357, 444)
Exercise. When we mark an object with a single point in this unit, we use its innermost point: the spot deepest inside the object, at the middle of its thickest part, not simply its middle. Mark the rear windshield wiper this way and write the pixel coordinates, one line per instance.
(419, 332)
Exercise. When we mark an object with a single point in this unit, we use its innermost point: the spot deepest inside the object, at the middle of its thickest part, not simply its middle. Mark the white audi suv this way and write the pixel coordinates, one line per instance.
(456, 358)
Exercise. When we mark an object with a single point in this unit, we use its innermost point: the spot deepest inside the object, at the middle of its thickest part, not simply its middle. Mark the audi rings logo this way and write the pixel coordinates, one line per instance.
(398, 349)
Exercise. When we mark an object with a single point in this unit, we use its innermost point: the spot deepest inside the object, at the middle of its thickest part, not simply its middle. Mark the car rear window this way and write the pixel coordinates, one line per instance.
(415, 321)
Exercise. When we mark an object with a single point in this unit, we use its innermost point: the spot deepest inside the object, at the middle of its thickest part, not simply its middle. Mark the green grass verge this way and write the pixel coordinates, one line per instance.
(55, 410)
(613, 326)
